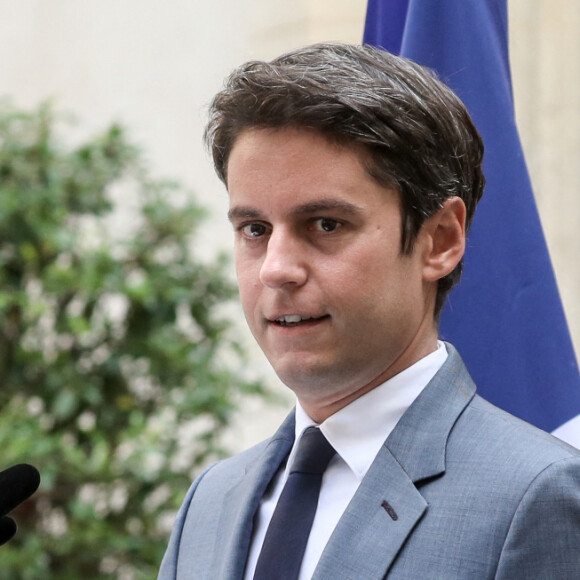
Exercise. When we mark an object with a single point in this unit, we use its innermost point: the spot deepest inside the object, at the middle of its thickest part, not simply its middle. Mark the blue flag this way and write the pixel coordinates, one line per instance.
(505, 317)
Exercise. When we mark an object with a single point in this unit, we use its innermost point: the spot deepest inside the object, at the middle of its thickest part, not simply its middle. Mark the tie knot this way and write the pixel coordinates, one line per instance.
(314, 452)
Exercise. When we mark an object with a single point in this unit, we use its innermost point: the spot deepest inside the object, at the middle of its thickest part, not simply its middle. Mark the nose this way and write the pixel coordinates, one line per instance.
(284, 263)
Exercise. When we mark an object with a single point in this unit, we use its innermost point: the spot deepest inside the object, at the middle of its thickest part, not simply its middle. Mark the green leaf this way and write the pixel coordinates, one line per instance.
(116, 361)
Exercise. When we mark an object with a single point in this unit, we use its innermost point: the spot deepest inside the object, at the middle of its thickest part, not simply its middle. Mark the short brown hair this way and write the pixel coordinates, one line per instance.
(419, 135)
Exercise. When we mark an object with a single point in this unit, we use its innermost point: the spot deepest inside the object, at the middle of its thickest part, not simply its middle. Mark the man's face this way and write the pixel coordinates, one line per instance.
(326, 291)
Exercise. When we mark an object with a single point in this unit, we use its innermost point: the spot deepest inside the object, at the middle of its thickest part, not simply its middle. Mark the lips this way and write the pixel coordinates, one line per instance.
(297, 319)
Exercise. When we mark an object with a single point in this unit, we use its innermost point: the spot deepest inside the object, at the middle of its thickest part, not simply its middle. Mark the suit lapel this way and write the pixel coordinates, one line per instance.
(381, 515)
(388, 505)
(242, 501)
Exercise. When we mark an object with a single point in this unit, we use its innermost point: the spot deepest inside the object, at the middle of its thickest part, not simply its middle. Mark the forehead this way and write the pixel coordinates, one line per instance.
(293, 154)
(288, 168)
(256, 138)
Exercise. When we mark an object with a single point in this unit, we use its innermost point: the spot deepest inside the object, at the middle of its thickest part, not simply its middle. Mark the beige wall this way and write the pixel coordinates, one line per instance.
(545, 54)
(155, 65)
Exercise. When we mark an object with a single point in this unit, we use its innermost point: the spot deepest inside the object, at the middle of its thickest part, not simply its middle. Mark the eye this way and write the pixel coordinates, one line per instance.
(253, 230)
(327, 224)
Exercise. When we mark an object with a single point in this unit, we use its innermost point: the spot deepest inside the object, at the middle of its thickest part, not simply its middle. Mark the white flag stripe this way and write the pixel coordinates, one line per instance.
(569, 432)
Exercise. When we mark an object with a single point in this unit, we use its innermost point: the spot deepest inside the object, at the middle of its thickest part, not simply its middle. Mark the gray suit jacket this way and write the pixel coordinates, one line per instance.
(471, 492)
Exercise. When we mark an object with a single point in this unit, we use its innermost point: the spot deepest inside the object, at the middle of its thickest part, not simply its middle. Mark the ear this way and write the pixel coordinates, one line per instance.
(445, 239)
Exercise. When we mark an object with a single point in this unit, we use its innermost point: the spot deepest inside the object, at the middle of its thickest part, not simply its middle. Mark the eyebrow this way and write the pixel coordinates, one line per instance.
(248, 212)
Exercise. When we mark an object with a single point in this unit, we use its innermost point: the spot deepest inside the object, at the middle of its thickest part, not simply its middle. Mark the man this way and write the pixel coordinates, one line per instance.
(353, 176)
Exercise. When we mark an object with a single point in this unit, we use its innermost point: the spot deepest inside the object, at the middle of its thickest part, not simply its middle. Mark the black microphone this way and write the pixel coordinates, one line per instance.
(17, 483)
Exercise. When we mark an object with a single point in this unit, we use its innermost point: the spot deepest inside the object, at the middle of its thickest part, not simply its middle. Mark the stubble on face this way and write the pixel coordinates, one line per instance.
(333, 303)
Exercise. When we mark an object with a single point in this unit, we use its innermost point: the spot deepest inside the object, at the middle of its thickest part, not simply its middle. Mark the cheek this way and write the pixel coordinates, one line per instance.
(248, 284)
(375, 288)
(247, 268)
(248, 290)
(369, 268)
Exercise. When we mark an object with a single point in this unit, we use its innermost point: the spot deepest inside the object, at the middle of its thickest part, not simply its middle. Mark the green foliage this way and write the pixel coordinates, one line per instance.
(117, 371)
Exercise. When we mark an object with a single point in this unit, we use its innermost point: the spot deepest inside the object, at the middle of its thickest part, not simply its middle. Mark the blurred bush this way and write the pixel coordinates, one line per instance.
(118, 371)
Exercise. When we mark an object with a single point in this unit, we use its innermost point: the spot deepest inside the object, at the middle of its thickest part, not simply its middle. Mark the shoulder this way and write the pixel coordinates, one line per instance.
(519, 489)
(505, 453)
(500, 434)
(498, 463)
(491, 433)
(232, 467)
(214, 503)
(224, 474)
(535, 479)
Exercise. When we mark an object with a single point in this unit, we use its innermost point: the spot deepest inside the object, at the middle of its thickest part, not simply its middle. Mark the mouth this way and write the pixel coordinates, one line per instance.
(298, 320)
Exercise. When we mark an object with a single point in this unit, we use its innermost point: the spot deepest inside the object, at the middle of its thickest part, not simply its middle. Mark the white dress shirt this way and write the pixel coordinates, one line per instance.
(357, 433)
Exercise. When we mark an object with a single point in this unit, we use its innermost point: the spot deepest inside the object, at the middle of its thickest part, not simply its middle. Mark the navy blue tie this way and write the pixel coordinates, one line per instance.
(288, 532)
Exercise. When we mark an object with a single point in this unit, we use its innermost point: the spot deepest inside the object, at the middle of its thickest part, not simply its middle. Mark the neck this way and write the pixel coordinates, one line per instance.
(319, 409)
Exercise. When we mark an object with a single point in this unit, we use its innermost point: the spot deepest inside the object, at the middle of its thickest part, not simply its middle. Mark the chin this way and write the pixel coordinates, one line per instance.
(309, 379)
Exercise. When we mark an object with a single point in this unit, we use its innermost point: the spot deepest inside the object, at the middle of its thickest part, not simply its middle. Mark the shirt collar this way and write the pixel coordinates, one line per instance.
(358, 430)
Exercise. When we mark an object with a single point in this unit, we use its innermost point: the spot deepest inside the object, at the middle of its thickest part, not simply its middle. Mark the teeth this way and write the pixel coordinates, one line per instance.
(292, 319)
